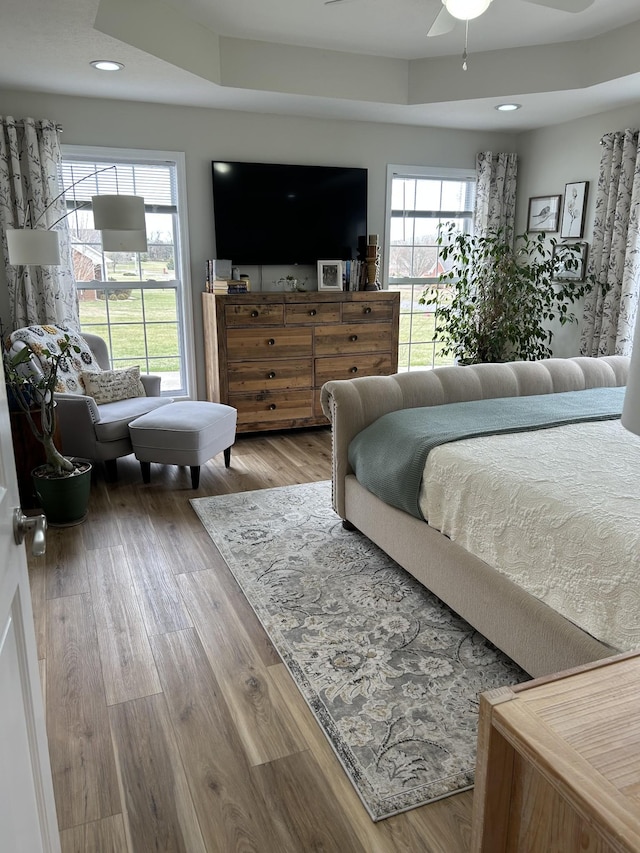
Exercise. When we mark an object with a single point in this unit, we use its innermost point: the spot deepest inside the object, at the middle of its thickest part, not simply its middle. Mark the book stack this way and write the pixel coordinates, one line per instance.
(241, 285)
(228, 285)
(217, 270)
(218, 285)
(355, 275)
(373, 263)
(218, 278)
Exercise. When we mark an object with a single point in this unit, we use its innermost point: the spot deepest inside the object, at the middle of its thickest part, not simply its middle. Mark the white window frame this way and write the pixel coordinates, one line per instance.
(399, 171)
(436, 172)
(177, 158)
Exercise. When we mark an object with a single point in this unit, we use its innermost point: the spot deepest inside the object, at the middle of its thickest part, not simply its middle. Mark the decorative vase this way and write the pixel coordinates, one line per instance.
(64, 500)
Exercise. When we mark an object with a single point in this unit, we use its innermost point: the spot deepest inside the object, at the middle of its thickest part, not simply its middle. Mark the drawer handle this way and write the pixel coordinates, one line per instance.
(271, 342)
(313, 312)
(254, 314)
(354, 370)
(271, 375)
(353, 338)
(273, 406)
(367, 310)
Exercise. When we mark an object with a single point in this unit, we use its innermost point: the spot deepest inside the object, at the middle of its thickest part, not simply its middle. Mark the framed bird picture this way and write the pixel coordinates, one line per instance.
(544, 213)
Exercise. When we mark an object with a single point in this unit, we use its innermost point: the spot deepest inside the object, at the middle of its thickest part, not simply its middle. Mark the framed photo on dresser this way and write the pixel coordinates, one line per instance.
(330, 275)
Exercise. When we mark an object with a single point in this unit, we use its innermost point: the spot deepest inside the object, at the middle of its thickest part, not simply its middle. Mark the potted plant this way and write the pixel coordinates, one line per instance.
(496, 300)
(61, 484)
(290, 282)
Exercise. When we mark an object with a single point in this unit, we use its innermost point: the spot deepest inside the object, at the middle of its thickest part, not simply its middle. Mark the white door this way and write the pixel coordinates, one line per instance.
(27, 809)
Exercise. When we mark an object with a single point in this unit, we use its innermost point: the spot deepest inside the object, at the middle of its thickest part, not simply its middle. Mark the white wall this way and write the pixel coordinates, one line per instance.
(548, 158)
(204, 135)
(551, 157)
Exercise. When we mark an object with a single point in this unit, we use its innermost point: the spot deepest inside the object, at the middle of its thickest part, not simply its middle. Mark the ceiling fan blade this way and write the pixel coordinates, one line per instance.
(563, 5)
(443, 23)
(336, 2)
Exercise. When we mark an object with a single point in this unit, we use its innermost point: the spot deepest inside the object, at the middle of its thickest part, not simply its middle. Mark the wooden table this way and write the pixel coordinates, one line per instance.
(559, 763)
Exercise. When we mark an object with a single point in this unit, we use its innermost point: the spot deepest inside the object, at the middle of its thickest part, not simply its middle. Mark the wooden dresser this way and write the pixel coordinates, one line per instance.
(559, 763)
(269, 354)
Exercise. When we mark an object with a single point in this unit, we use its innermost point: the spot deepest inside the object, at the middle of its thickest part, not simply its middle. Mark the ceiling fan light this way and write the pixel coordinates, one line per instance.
(466, 10)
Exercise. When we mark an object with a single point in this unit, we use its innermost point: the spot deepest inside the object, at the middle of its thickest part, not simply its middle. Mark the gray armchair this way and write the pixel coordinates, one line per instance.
(99, 432)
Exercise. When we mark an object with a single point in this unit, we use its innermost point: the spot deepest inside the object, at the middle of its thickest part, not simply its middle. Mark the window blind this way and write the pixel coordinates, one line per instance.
(83, 178)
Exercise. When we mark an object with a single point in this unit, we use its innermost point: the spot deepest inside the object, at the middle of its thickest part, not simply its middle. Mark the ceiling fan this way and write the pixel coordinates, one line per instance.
(466, 10)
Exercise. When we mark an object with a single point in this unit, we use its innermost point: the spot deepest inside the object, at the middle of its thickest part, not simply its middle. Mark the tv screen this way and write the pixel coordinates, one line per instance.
(267, 213)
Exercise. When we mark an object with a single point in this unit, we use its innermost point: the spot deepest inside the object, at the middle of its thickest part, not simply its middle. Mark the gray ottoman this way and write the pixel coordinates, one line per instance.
(187, 433)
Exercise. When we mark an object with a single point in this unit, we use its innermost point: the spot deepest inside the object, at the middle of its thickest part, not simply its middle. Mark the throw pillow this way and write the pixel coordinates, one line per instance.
(108, 386)
(47, 337)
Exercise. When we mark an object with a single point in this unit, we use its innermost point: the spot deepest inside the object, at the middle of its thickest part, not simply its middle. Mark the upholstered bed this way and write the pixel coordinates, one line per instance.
(473, 579)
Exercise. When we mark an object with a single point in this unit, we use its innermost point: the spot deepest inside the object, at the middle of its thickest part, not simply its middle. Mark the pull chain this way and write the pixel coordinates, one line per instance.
(466, 42)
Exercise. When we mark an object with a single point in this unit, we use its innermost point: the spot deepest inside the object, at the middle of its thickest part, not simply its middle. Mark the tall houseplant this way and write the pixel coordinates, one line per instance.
(62, 484)
(496, 300)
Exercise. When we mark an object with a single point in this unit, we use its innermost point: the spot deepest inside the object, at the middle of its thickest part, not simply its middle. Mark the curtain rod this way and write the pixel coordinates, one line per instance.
(19, 122)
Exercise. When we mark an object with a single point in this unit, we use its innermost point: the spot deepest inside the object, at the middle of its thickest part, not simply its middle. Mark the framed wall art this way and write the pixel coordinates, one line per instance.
(572, 261)
(330, 275)
(544, 213)
(575, 208)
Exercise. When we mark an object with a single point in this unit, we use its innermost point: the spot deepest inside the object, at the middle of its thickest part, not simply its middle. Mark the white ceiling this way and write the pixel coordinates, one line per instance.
(278, 56)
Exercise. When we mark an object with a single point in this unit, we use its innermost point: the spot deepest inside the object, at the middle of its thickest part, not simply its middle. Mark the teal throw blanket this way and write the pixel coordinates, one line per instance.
(388, 456)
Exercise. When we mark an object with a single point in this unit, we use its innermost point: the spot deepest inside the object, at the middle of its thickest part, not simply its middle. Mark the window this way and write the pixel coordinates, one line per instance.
(135, 301)
(419, 201)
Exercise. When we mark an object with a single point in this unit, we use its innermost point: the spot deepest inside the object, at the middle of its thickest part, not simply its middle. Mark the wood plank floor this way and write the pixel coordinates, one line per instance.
(173, 725)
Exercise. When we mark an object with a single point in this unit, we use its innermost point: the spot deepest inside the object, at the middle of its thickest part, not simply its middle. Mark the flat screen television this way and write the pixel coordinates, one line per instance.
(268, 213)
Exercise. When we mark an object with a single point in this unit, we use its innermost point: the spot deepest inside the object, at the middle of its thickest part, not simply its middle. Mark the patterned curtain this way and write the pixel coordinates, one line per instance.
(29, 158)
(608, 320)
(495, 193)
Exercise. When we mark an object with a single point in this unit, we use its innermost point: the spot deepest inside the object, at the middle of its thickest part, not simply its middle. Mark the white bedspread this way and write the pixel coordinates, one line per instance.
(557, 510)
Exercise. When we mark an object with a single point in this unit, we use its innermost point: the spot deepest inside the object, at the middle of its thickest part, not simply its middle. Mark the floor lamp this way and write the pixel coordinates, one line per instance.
(119, 218)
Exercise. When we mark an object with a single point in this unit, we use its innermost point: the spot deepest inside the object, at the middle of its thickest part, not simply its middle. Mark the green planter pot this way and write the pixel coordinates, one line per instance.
(64, 500)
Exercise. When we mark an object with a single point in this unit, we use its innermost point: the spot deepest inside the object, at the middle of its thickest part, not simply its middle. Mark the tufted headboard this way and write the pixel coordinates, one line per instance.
(352, 404)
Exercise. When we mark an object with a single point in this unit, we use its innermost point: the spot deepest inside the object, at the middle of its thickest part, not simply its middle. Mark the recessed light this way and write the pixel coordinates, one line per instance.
(507, 108)
(107, 65)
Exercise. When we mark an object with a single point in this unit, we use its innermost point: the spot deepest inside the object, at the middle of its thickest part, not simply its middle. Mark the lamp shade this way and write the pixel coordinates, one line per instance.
(466, 10)
(33, 246)
(118, 212)
(631, 407)
(124, 241)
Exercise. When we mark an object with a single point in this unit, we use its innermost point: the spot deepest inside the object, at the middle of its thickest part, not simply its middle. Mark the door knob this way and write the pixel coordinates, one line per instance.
(22, 523)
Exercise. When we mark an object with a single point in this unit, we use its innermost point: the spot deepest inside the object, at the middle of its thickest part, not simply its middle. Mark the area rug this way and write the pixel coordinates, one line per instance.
(391, 674)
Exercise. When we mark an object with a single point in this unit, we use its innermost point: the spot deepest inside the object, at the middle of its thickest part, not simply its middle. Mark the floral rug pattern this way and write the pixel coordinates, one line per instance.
(391, 674)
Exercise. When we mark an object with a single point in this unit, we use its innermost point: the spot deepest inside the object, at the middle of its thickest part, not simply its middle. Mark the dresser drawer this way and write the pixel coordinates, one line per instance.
(353, 337)
(312, 313)
(366, 312)
(270, 374)
(348, 367)
(266, 343)
(269, 407)
(247, 314)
